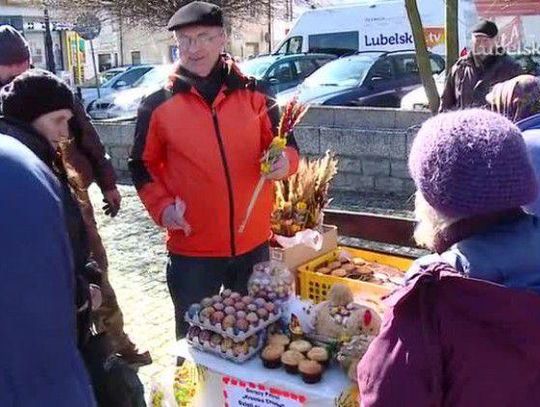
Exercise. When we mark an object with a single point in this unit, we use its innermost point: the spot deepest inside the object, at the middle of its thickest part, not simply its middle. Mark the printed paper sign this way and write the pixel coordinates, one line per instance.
(238, 393)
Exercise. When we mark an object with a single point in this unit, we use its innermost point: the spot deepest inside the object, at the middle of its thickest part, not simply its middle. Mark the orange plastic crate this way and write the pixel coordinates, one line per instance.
(315, 286)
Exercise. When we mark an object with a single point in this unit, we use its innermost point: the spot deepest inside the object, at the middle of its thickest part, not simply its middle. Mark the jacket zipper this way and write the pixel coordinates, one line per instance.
(229, 182)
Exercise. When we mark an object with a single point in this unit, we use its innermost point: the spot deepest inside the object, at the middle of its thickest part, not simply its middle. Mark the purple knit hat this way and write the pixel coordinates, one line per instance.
(472, 162)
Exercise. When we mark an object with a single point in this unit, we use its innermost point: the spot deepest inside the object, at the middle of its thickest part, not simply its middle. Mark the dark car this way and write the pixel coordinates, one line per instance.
(374, 78)
(282, 72)
(529, 62)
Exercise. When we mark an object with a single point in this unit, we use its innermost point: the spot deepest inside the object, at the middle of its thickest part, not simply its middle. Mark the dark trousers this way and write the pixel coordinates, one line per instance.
(190, 279)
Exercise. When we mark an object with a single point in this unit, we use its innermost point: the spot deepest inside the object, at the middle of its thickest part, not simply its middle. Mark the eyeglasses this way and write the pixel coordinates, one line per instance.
(204, 40)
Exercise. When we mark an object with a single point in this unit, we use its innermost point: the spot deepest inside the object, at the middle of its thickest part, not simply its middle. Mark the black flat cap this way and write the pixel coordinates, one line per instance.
(486, 27)
(196, 13)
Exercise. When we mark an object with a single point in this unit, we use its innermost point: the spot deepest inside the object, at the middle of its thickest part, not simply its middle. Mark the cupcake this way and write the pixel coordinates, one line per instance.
(262, 313)
(300, 346)
(319, 354)
(279, 339)
(271, 356)
(324, 270)
(348, 267)
(206, 302)
(339, 272)
(290, 361)
(334, 265)
(311, 371)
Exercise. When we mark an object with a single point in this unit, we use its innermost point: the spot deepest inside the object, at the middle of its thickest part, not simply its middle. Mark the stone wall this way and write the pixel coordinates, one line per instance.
(118, 139)
(372, 144)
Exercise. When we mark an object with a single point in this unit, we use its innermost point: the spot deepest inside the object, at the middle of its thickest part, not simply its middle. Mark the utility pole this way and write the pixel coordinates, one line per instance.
(451, 31)
(121, 30)
(422, 55)
(49, 53)
(270, 26)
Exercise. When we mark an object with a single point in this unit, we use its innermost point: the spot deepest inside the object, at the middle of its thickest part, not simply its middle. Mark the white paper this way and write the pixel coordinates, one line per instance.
(308, 237)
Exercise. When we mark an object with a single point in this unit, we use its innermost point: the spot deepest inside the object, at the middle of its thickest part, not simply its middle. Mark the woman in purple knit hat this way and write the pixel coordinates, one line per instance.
(465, 331)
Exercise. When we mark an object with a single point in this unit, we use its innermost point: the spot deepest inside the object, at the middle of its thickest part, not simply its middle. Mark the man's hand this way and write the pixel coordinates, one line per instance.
(173, 217)
(112, 201)
(280, 169)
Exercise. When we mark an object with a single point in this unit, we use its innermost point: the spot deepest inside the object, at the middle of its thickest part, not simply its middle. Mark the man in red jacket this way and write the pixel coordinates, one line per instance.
(195, 163)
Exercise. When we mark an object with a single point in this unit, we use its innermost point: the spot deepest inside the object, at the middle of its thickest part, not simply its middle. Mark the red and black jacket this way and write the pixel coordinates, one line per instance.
(208, 156)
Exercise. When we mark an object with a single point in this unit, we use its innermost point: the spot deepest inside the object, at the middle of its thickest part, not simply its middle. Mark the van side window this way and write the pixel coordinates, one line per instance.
(292, 46)
(334, 43)
(437, 65)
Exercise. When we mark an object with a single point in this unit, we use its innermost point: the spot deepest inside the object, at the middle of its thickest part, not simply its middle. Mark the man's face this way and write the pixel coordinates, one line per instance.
(483, 46)
(54, 126)
(200, 48)
(9, 72)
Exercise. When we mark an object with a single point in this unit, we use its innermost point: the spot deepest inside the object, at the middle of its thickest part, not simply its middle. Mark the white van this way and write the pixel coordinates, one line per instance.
(381, 26)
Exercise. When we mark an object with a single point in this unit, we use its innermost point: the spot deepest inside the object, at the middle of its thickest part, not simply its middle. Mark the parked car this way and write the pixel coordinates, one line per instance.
(124, 104)
(122, 80)
(282, 72)
(374, 78)
(417, 98)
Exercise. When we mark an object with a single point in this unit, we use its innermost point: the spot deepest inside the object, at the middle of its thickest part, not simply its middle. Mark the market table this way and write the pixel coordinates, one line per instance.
(251, 385)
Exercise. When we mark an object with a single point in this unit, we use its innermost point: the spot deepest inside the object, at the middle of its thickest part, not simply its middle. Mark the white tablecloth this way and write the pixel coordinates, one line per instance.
(326, 393)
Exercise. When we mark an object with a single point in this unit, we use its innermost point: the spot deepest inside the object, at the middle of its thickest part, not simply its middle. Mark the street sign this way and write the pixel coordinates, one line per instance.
(88, 26)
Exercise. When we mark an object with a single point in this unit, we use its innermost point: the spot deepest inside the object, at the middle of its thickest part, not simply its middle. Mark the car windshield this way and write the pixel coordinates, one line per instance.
(256, 67)
(105, 79)
(347, 71)
(155, 77)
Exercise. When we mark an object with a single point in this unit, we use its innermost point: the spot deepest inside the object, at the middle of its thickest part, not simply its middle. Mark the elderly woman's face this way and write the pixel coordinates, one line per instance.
(54, 126)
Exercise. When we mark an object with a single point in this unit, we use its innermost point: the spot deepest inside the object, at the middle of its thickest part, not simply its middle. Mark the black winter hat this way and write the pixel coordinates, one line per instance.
(196, 13)
(13, 47)
(34, 93)
(486, 27)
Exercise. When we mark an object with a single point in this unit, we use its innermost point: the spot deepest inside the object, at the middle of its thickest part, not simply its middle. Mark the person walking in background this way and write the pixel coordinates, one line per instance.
(85, 158)
(472, 76)
(195, 163)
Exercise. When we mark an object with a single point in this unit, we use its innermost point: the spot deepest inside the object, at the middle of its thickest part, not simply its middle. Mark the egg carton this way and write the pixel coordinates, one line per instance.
(229, 355)
(229, 332)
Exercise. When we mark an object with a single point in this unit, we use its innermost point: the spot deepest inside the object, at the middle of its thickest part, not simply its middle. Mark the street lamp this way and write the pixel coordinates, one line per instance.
(49, 54)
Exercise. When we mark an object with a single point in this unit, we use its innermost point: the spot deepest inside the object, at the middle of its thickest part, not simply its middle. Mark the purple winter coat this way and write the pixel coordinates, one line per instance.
(451, 341)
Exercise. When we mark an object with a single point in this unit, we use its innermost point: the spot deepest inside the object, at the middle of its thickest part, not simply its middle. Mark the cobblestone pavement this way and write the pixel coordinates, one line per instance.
(137, 256)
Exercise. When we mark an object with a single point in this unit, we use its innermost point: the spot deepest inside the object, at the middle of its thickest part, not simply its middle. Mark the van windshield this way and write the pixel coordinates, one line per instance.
(348, 71)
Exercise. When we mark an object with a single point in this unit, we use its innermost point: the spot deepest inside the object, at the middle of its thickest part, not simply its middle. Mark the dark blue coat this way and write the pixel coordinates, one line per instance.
(39, 361)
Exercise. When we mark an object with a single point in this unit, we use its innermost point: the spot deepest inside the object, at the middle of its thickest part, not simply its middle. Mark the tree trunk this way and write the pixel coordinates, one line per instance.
(452, 34)
(422, 55)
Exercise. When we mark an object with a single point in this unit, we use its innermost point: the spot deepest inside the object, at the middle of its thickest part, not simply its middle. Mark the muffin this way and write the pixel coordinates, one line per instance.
(319, 354)
(358, 261)
(279, 339)
(311, 371)
(334, 265)
(271, 356)
(324, 270)
(348, 267)
(300, 346)
(339, 272)
(290, 361)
